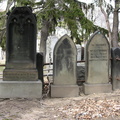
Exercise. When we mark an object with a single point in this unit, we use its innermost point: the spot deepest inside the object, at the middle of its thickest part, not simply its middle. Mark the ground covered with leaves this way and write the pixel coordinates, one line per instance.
(103, 106)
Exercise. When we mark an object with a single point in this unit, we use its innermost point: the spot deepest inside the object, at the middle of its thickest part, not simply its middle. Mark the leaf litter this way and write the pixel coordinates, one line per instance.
(102, 106)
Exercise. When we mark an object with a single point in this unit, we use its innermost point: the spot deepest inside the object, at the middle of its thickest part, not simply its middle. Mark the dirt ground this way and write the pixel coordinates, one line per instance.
(104, 106)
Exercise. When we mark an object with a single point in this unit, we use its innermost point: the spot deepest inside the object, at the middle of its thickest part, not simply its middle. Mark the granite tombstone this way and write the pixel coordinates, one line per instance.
(21, 46)
(20, 77)
(39, 65)
(115, 67)
(64, 69)
(97, 65)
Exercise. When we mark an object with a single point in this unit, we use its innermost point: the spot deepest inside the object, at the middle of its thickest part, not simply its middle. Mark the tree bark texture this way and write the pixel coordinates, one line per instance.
(44, 36)
(115, 25)
(107, 23)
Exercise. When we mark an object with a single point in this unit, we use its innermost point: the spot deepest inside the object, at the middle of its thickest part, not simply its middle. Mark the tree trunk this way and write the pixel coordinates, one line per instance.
(3, 29)
(44, 36)
(115, 25)
(107, 23)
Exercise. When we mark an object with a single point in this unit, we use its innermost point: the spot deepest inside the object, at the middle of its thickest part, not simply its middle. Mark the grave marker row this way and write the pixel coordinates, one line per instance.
(20, 77)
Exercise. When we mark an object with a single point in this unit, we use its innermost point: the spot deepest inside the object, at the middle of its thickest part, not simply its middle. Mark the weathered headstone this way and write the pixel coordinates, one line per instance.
(97, 65)
(115, 67)
(20, 77)
(64, 69)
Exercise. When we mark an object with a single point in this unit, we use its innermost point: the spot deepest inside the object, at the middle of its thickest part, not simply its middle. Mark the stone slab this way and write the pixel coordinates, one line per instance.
(97, 88)
(64, 91)
(20, 89)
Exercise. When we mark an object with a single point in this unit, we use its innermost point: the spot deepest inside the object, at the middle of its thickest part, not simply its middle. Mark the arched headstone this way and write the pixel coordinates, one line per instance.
(97, 65)
(64, 69)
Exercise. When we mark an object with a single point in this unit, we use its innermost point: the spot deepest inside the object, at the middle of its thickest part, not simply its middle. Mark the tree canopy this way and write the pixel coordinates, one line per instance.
(65, 13)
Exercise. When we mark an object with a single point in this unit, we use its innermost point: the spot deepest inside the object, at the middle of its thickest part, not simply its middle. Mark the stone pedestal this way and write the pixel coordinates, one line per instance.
(97, 88)
(20, 89)
(64, 91)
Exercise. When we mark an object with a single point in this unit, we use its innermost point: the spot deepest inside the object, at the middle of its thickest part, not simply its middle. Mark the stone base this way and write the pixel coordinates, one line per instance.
(64, 91)
(115, 84)
(96, 88)
(20, 89)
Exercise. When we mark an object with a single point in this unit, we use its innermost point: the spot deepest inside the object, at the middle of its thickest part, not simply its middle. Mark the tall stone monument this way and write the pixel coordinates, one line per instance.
(20, 77)
(97, 65)
(64, 69)
(115, 67)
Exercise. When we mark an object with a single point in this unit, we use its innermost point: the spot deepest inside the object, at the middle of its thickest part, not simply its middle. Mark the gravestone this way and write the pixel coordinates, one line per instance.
(20, 77)
(115, 67)
(64, 69)
(97, 65)
(21, 46)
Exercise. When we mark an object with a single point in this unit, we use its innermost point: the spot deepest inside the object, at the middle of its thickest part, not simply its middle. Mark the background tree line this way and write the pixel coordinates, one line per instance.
(69, 14)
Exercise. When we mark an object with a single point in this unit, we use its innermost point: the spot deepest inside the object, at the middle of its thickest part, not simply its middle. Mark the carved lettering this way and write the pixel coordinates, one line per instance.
(98, 52)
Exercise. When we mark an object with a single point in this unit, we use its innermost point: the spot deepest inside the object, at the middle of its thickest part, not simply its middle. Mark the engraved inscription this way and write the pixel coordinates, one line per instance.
(99, 45)
(98, 52)
(20, 75)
